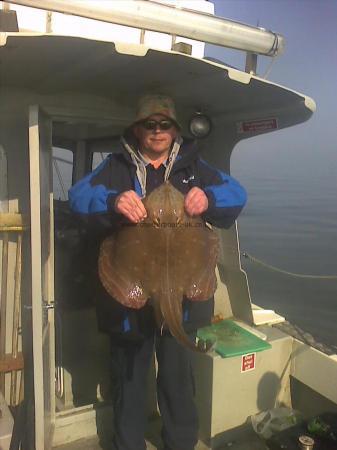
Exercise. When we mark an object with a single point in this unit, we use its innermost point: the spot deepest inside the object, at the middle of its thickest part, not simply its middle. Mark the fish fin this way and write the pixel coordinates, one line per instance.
(203, 279)
(121, 286)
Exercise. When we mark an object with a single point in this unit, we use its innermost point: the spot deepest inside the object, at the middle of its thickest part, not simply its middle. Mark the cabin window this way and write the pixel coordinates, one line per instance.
(62, 172)
(97, 158)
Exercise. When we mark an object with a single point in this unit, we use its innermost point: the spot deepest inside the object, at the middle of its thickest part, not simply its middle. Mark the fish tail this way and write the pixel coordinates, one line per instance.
(171, 311)
(170, 301)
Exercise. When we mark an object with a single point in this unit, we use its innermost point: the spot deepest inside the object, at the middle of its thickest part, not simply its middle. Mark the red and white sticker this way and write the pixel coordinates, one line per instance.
(248, 362)
(257, 126)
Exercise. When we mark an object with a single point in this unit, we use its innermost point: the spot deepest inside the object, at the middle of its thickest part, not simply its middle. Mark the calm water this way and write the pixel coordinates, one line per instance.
(291, 222)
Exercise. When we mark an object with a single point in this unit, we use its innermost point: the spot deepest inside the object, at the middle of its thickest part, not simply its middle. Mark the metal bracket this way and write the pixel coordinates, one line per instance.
(45, 306)
(251, 63)
(48, 306)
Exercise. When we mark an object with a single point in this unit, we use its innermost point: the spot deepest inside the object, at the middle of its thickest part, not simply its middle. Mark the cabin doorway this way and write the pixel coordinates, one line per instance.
(71, 357)
(82, 353)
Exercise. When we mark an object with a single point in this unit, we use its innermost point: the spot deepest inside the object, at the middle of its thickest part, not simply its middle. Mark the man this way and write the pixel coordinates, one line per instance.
(151, 152)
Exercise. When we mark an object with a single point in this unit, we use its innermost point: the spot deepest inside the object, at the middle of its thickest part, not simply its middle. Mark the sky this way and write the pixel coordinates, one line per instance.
(308, 65)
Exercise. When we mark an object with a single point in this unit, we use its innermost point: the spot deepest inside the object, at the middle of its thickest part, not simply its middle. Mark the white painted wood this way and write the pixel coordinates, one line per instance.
(315, 369)
(77, 423)
(266, 316)
(6, 424)
(42, 274)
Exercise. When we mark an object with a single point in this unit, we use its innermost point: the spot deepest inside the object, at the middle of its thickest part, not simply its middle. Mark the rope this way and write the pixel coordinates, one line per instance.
(285, 272)
(267, 72)
(59, 176)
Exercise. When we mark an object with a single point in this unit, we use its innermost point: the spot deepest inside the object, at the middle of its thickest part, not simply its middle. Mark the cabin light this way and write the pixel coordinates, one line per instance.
(200, 125)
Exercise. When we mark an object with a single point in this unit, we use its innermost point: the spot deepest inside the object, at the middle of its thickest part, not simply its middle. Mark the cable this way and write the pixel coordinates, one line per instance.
(267, 72)
(59, 176)
(285, 272)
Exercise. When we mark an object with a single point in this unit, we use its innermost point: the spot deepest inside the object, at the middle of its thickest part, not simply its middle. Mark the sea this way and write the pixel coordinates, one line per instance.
(290, 221)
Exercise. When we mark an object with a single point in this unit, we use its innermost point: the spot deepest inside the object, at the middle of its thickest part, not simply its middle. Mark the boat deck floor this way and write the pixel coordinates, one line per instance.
(247, 440)
(248, 443)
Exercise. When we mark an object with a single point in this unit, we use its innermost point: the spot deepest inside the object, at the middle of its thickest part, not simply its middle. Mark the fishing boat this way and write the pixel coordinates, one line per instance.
(70, 75)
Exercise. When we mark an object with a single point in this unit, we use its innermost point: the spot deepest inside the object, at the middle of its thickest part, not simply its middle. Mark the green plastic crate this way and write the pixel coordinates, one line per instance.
(229, 339)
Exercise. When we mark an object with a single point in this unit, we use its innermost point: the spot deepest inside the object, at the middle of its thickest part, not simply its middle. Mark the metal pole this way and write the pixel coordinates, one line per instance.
(251, 63)
(3, 309)
(145, 14)
(16, 317)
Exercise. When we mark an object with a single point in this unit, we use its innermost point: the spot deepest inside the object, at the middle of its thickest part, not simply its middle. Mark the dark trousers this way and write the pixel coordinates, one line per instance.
(131, 358)
(175, 392)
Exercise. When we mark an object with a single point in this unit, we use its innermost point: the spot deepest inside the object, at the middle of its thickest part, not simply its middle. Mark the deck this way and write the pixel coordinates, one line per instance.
(249, 441)
(92, 444)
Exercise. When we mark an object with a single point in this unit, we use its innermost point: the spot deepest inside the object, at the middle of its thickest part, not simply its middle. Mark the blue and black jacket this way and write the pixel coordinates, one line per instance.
(94, 196)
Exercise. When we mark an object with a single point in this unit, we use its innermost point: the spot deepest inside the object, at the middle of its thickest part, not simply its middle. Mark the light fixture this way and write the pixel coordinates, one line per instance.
(200, 125)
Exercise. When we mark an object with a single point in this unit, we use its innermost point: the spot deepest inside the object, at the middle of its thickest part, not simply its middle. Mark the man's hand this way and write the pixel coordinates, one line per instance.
(196, 202)
(131, 206)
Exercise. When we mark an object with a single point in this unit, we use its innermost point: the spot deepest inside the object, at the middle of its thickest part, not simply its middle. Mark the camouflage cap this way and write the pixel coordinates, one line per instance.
(156, 104)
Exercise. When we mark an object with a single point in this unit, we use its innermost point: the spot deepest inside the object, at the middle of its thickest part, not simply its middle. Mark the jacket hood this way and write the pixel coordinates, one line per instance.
(189, 150)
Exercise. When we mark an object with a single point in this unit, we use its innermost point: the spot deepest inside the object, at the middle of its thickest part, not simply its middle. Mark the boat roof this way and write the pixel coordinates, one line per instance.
(52, 64)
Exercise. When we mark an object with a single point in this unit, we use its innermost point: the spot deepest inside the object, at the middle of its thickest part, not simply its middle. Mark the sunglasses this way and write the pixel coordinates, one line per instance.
(151, 125)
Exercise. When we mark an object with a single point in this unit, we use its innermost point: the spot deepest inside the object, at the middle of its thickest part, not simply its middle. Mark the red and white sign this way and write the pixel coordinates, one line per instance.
(257, 126)
(248, 362)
